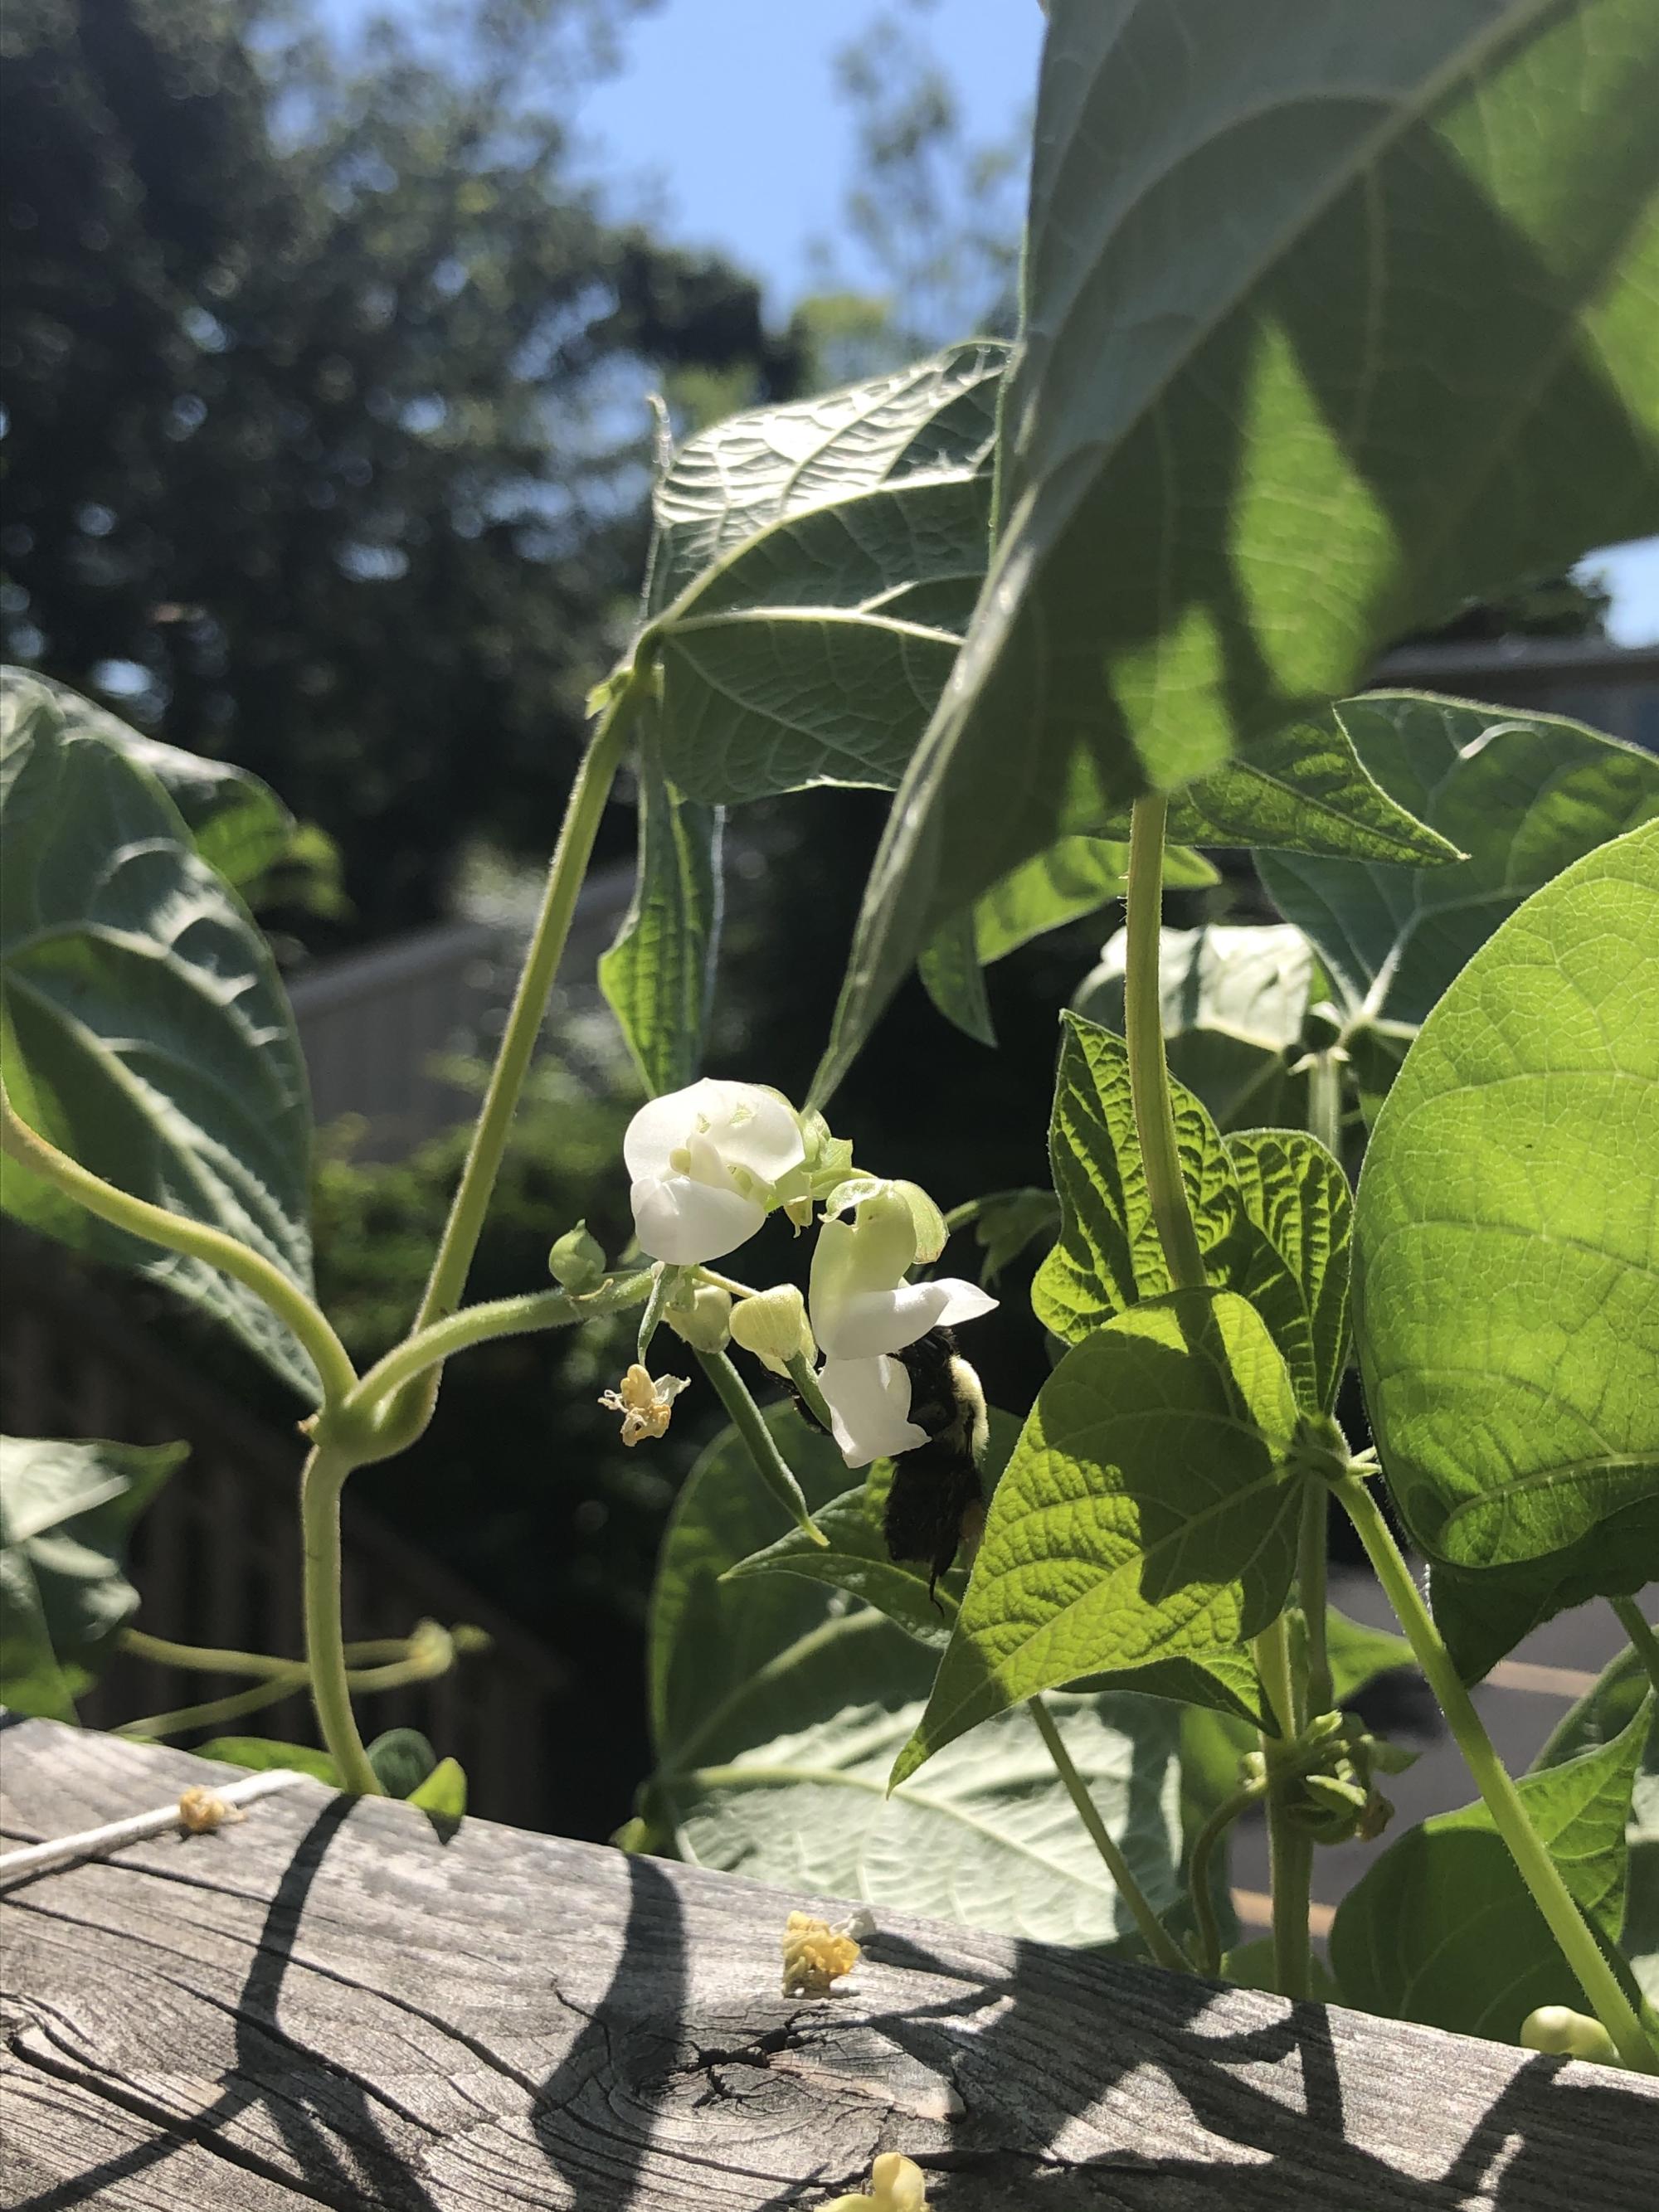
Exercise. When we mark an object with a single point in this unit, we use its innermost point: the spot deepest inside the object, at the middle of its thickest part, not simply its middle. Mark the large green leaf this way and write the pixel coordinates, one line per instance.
(1074, 877)
(1523, 795)
(1234, 999)
(1507, 1234)
(65, 1513)
(145, 1031)
(949, 966)
(778, 1704)
(1146, 1514)
(1594, 1720)
(1110, 1253)
(1327, 327)
(815, 568)
(239, 825)
(658, 976)
(1442, 1929)
(1483, 1612)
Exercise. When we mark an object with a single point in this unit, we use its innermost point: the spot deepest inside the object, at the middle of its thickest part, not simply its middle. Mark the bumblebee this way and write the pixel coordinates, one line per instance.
(936, 1504)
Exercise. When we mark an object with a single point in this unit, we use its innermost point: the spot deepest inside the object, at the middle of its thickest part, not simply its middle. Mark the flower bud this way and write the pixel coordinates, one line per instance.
(1564, 2033)
(704, 1319)
(576, 1262)
(773, 1326)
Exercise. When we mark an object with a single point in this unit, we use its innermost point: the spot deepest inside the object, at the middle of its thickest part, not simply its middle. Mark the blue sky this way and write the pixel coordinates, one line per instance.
(729, 107)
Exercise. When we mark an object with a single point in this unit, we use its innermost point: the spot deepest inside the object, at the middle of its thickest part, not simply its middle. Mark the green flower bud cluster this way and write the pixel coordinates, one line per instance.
(576, 1262)
(1335, 1795)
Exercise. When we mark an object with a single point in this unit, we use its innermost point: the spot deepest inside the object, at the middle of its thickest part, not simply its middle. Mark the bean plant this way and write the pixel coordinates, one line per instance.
(1334, 317)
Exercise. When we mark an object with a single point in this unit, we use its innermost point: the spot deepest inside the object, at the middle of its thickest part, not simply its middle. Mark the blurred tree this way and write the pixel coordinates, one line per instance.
(323, 388)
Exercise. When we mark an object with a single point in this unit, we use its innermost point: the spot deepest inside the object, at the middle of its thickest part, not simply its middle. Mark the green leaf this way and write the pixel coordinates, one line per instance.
(1483, 1612)
(1298, 1195)
(66, 1511)
(805, 622)
(1507, 1234)
(658, 976)
(443, 1793)
(735, 480)
(1235, 463)
(402, 1759)
(1441, 1927)
(1233, 999)
(1075, 877)
(949, 967)
(1146, 1514)
(1523, 795)
(1007, 1221)
(705, 1646)
(1596, 1719)
(238, 824)
(262, 1753)
(1110, 1253)
(1358, 1654)
(146, 1032)
(1305, 789)
(777, 1708)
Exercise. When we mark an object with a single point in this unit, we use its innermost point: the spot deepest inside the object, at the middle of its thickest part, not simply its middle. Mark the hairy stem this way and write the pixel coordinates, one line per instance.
(564, 879)
(320, 1484)
(1159, 1942)
(1290, 1849)
(1143, 1031)
(1313, 1543)
(472, 1325)
(176, 1234)
(1640, 1634)
(1502, 1801)
(1198, 1877)
(748, 1420)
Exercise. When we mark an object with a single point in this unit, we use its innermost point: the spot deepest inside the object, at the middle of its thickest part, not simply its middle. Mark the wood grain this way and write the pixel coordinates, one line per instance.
(333, 2005)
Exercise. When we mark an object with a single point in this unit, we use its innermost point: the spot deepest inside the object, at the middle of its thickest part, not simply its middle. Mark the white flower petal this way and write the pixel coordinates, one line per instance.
(688, 1222)
(874, 1321)
(870, 1405)
(757, 1131)
(663, 1124)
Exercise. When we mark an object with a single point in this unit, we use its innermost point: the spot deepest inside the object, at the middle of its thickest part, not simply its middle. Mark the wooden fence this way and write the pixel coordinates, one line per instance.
(217, 1557)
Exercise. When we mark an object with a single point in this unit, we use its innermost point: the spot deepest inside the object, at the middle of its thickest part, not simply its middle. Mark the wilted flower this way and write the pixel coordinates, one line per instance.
(814, 1955)
(897, 2184)
(704, 1161)
(644, 1405)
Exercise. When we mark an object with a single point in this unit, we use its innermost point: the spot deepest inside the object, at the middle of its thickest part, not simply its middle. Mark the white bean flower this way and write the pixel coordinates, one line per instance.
(869, 1402)
(704, 1161)
(861, 1306)
(864, 1312)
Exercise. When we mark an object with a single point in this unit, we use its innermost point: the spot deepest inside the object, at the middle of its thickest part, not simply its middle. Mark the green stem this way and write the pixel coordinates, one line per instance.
(519, 1316)
(1198, 1874)
(564, 879)
(1640, 1634)
(1143, 1031)
(204, 1658)
(1313, 1543)
(746, 1417)
(1159, 1942)
(801, 1375)
(1502, 1801)
(320, 1486)
(212, 1711)
(175, 1234)
(1289, 1848)
(1325, 1102)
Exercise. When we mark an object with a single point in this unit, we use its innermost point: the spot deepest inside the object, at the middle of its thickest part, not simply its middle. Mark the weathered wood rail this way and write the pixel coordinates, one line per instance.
(332, 2004)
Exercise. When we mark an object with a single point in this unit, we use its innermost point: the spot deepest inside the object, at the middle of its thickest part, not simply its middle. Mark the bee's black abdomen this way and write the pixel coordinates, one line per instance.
(938, 1482)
